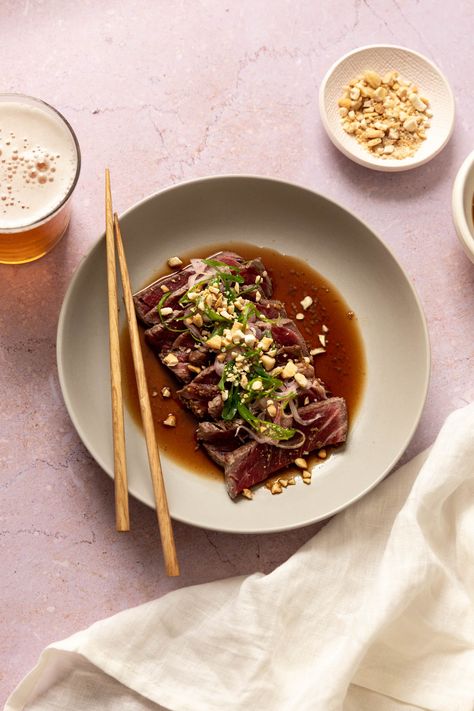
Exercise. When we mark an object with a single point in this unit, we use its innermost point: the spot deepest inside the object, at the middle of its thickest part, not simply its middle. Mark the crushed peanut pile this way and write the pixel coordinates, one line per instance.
(276, 485)
(385, 114)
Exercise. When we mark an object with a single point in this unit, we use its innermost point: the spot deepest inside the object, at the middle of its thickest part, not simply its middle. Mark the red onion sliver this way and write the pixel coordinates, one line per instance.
(219, 367)
(289, 444)
(199, 266)
(194, 331)
(298, 418)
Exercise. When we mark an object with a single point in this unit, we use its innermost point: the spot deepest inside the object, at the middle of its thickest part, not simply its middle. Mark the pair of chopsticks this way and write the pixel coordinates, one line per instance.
(122, 517)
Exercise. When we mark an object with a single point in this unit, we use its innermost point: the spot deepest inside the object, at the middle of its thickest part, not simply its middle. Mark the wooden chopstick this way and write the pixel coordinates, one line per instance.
(122, 516)
(162, 512)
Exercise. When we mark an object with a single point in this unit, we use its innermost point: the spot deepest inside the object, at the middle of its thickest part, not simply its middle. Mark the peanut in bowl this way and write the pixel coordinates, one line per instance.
(373, 137)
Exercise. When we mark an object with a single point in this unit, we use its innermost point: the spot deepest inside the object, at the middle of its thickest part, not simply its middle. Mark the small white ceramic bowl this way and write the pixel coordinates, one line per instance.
(411, 66)
(463, 193)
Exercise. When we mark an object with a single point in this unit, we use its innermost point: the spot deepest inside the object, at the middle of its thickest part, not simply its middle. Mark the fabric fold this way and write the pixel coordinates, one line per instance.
(375, 612)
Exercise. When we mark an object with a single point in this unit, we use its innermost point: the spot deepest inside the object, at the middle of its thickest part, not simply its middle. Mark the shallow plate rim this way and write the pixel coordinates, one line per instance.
(225, 177)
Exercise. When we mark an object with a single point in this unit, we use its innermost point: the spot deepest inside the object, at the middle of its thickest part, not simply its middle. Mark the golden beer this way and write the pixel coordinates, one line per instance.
(39, 168)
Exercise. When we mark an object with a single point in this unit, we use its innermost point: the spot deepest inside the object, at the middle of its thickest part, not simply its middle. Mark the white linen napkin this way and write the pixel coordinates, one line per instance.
(376, 612)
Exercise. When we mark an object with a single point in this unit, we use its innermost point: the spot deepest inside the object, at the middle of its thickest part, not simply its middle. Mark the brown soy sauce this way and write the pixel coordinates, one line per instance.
(342, 368)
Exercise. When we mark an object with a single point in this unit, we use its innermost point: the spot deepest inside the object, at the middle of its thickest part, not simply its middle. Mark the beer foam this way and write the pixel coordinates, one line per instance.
(38, 163)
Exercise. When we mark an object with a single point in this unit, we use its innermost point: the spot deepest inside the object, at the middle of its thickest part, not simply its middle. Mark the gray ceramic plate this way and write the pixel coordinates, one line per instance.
(294, 221)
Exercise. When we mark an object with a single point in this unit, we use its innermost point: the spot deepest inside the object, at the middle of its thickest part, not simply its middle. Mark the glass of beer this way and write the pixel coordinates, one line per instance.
(40, 163)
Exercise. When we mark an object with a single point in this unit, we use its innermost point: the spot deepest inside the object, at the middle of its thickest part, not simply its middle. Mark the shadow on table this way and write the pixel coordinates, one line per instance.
(203, 555)
(399, 186)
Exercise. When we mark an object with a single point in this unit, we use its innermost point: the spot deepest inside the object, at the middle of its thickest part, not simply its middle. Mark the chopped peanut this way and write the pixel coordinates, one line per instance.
(265, 343)
(175, 262)
(301, 379)
(215, 343)
(290, 370)
(272, 411)
(171, 360)
(385, 114)
(301, 463)
(268, 362)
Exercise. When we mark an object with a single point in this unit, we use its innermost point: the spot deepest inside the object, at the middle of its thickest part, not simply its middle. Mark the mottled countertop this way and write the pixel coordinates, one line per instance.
(163, 92)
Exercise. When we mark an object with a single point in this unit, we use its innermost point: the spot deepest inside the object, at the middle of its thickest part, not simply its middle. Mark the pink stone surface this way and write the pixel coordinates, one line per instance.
(162, 92)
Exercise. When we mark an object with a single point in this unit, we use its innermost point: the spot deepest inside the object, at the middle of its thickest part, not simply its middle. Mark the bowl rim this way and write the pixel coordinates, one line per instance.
(371, 162)
(211, 178)
(464, 233)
